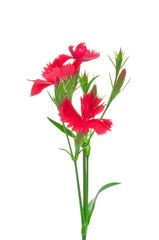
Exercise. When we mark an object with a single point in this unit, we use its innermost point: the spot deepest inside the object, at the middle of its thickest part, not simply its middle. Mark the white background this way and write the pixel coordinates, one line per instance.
(38, 195)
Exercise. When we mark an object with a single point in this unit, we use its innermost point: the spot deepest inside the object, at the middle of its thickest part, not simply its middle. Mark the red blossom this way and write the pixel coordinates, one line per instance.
(89, 109)
(58, 69)
(52, 72)
(61, 72)
(82, 54)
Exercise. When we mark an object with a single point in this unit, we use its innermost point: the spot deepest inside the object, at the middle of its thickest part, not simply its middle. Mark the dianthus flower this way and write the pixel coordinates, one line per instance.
(54, 70)
(57, 69)
(89, 109)
(82, 54)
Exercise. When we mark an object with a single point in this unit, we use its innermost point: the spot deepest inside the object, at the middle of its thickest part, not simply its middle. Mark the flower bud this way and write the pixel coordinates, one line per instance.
(57, 81)
(119, 60)
(79, 139)
(94, 90)
(75, 76)
(120, 81)
(84, 80)
(78, 142)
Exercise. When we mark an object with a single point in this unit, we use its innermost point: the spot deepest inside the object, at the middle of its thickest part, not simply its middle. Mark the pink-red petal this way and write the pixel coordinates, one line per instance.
(100, 126)
(60, 60)
(57, 63)
(82, 54)
(79, 51)
(90, 55)
(90, 106)
(66, 70)
(69, 115)
(62, 73)
(38, 86)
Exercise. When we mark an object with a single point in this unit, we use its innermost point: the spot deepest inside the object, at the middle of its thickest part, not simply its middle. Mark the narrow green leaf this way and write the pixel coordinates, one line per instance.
(111, 61)
(124, 62)
(61, 128)
(125, 85)
(50, 96)
(89, 84)
(80, 81)
(65, 151)
(111, 80)
(92, 203)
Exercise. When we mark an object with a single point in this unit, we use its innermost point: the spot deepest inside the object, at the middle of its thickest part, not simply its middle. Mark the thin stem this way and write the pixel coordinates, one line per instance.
(68, 140)
(85, 185)
(108, 104)
(84, 237)
(87, 159)
(79, 193)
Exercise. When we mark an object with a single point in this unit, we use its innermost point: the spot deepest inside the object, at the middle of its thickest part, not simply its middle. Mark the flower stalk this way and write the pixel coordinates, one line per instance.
(79, 193)
(85, 185)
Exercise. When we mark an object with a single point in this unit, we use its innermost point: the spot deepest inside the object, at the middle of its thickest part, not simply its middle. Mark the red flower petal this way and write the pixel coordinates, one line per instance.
(79, 51)
(38, 86)
(62, 73)
(66, 70)
(60, 60)
(90, 106)
(82, 54)
(57, 63)
(69, 115)
(100, 126)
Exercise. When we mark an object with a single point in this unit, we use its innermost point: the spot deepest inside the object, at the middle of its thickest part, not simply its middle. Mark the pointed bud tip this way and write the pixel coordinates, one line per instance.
(57, 81)
(123, 73)
(94, 90)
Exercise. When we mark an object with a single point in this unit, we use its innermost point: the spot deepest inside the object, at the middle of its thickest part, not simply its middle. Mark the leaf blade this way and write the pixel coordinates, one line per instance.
(61, 128)
(111, 61)
(65, 151)
(92, 203)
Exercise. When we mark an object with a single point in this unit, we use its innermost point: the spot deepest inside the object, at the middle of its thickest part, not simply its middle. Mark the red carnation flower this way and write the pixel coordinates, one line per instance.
(89, 109)
(57, 69)
(52, 72)
(82, 54)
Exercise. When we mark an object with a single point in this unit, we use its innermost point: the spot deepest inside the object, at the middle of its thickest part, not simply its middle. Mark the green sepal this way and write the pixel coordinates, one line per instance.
(61, 127)
(91, 204)
(89, 84)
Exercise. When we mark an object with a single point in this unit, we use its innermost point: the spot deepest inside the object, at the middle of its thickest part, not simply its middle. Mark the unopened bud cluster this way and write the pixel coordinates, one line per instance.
(120, 74)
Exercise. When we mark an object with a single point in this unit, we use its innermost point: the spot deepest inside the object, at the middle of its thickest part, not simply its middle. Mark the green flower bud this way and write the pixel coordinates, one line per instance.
(94, 90)
(120, 81)
(79, 139)
(119, 59)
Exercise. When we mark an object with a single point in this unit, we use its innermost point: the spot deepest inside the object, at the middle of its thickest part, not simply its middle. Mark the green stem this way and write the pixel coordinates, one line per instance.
(108, 104)
(84, 237)
(79, 193)
(85, 185)
(87, 158)
(68, 140)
